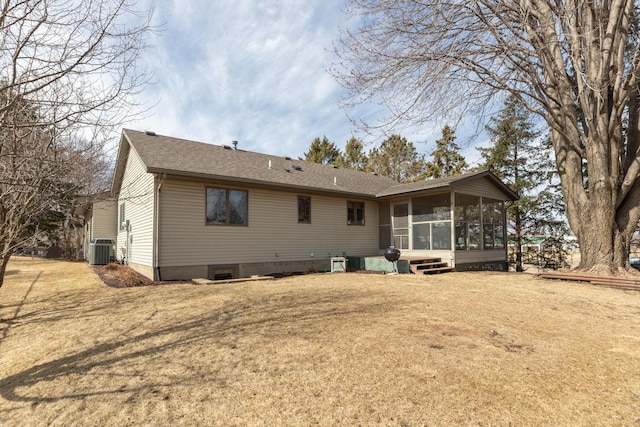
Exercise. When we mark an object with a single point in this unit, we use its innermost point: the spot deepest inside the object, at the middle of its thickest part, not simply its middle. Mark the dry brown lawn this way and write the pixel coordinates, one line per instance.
(327, 349)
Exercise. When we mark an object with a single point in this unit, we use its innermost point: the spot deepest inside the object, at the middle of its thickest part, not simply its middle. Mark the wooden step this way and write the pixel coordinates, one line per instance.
(429, 266)
(423, 260)
(438, 270)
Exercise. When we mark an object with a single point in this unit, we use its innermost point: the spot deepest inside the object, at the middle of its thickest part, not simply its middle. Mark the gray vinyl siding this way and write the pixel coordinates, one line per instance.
(104, 220)
(136, 193)
(273, 233)
(481, 187)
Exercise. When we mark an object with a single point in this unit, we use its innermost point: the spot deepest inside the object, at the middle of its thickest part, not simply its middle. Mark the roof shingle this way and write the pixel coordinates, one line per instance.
(181, 157)
(163, 154)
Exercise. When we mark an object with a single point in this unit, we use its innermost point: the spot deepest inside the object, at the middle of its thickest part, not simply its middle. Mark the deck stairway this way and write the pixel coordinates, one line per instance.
(429, 266)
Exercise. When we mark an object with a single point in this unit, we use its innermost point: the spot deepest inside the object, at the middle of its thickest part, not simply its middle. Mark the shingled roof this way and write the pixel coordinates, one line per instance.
(449, 182)
(175, 156)
(181, 157)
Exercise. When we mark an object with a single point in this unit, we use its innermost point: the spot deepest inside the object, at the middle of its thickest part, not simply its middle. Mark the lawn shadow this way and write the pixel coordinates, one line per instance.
(11, 321)
(223, 327)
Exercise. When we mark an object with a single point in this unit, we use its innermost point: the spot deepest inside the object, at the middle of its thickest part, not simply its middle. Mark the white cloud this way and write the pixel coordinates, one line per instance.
(249, 71)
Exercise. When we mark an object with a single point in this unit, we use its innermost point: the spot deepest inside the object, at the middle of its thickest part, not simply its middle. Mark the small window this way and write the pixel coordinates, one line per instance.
(121, 223)
(304, 209)
(355, 213)
(227, 207)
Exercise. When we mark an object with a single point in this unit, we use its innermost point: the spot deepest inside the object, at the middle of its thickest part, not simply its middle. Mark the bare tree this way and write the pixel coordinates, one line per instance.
(573, 63)
(68, 78)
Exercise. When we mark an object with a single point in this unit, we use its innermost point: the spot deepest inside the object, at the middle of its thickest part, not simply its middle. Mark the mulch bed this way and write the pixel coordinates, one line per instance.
(120, 276)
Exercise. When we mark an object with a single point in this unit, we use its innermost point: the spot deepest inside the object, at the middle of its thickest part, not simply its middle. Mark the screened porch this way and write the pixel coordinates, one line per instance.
(454, 226)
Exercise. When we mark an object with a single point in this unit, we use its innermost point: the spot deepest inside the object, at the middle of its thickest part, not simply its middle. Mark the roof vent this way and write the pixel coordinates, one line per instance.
(374, 173)
(287, 158)
(334, 166)
(226, 147)
(297, 167)
(150, 133)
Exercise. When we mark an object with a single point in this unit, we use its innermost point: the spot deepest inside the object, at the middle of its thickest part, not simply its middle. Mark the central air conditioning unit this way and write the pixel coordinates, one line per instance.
(100, 251)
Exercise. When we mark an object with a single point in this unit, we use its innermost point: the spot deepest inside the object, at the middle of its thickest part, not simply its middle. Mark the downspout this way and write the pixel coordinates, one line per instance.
(156, 228)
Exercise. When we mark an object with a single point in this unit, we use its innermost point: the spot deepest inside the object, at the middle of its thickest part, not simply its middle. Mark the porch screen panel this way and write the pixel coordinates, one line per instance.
(492, 223)
(441, 235)
(422, 236)
(384, 224)
(432, 208)
(467, 220)
(431, 220)
(401, 226)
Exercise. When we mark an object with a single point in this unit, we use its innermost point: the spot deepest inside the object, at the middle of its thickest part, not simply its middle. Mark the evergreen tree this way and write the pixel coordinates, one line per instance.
(322, 151)
(525, 163)
(447, 159)
(397, 159)
(354, 156)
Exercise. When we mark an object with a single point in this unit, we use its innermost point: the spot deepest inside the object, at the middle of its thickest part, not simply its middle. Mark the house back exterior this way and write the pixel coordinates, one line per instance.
(192, 210)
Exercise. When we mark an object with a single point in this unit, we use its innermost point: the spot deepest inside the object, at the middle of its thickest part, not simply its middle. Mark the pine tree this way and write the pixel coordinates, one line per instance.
(525, 163)
(322, 151)
(397, 159)
(354, 156)
(447, 159)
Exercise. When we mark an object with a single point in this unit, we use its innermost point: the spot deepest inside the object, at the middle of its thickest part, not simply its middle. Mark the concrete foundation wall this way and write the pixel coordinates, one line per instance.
(266, 268)
(145, 270)
(187, 272)
(483, 266)
(242, 270)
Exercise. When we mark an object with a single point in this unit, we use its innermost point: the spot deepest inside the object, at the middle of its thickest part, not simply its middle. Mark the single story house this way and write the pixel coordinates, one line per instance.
(193, 210)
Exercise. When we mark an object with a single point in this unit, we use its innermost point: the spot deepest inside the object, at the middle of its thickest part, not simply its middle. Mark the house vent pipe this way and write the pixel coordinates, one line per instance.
(269, 164)
(335, 180)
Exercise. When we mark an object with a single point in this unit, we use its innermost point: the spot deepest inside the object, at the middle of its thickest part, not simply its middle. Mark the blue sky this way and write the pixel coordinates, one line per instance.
(253, 71)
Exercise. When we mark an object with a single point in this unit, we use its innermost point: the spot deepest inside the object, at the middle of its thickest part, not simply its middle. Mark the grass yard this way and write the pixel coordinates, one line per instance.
(340, 349)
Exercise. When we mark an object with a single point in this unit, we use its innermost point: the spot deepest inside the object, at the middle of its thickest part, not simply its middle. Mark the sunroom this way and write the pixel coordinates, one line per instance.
(459, 220)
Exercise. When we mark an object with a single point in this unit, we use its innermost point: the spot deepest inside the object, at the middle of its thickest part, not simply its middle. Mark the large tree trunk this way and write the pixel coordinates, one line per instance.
(585, 118)
(3, 267)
